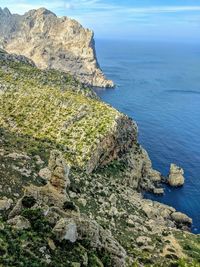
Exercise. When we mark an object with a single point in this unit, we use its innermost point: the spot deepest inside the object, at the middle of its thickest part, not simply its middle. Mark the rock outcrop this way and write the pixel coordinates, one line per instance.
(176, 177)
(69, 224)
(181, 218)
(52, 42)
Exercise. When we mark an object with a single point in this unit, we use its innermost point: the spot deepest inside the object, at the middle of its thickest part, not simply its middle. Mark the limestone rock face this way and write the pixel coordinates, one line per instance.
(52, 42)
(176, 177)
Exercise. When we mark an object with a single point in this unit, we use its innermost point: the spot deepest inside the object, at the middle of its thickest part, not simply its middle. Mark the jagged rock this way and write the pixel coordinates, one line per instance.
(90, 230)
(54, 192)
(44, 195)
(112, 247)
(19, 223)
(181, 218)
(66, 229)
(118, 141)
(59, 171)
(5, 203)
(176, 177)
(140, 173)
(53, 42)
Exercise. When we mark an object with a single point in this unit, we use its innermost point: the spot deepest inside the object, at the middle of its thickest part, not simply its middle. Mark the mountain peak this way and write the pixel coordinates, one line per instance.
(41, 11)
(53, 42)
(5, 11)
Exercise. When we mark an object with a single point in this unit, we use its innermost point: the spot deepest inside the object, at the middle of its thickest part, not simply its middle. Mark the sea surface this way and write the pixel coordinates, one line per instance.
(158, 85)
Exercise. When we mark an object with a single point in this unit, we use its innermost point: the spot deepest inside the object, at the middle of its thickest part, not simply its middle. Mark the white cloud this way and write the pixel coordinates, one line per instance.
(91, 7)
(165, 9)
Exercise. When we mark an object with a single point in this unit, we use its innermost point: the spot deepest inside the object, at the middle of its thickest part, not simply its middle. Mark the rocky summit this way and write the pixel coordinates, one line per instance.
(72, 177)
(53, 43)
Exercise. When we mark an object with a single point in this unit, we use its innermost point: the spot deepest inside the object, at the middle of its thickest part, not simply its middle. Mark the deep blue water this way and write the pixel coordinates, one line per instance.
(158, 85)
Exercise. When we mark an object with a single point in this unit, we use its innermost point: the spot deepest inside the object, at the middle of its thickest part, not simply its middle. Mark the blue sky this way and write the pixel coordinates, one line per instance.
(127, 19)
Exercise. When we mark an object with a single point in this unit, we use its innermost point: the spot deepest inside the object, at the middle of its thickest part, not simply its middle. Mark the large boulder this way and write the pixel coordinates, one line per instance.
(176, 177)
(66, 229)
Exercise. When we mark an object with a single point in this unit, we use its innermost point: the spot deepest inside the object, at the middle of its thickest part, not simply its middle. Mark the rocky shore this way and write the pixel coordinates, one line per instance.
(71, 176)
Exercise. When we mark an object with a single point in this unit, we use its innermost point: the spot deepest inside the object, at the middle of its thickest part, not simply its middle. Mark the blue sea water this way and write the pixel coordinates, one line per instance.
(158, 85)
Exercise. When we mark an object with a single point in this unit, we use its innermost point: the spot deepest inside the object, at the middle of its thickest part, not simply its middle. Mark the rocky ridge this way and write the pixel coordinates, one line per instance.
(52, 43)
(78, 205)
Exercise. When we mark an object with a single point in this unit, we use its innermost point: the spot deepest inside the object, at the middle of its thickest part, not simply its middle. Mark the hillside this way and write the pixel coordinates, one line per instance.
(71, 176)
(52, 43)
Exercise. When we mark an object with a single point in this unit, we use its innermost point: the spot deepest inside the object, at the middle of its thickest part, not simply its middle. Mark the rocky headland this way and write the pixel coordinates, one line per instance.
(72, 174)
(53, 43)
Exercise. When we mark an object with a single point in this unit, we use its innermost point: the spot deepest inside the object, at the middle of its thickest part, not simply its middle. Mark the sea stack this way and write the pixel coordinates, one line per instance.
(176, 177)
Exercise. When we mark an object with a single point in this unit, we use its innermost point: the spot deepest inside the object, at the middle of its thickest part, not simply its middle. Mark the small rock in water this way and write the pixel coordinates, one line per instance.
(158, 191)
(176, 177)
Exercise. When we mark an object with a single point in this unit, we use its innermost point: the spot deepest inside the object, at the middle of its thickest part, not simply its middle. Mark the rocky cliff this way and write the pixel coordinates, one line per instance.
(52, 42)
(71, 174)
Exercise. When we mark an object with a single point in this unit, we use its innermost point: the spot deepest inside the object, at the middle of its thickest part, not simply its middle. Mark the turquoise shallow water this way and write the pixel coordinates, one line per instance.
(158, 85)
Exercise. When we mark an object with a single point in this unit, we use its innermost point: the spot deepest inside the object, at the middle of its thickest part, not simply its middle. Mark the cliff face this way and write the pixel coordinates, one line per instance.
(52, 42)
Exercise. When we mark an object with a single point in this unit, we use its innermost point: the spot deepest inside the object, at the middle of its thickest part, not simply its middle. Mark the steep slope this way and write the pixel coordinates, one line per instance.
(81, 205)
(52, 42)
(90, 131)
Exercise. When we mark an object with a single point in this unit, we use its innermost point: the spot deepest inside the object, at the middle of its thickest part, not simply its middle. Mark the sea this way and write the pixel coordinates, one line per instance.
(158, 85)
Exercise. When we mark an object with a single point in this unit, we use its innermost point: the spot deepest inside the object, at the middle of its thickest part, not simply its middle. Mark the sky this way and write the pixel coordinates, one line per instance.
(125, 19)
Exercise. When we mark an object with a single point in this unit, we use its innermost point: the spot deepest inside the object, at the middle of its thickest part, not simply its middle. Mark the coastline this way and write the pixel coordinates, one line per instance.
(166, 137)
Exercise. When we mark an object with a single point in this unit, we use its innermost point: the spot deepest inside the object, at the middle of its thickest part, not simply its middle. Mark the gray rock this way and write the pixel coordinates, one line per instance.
(66, 229)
